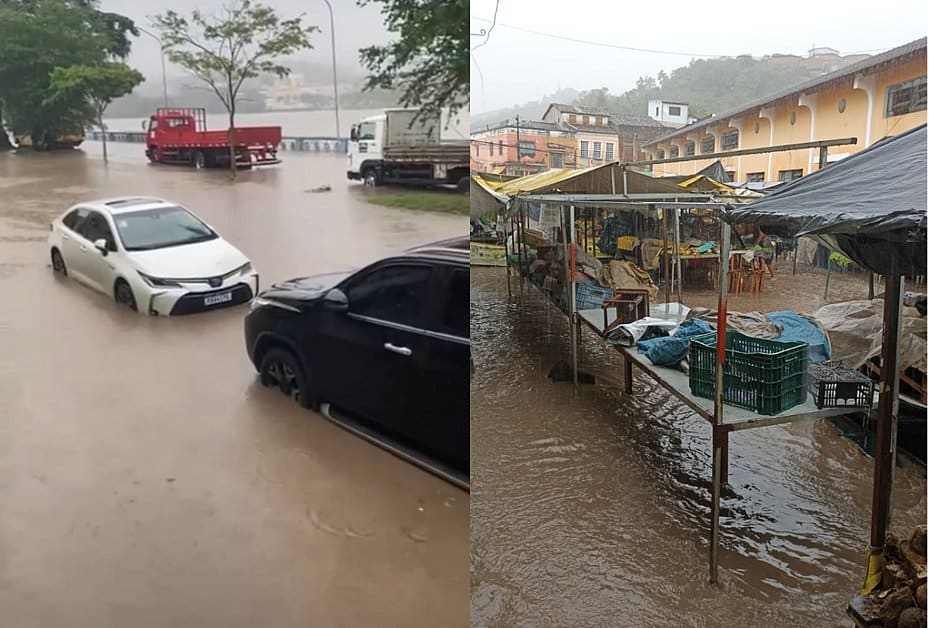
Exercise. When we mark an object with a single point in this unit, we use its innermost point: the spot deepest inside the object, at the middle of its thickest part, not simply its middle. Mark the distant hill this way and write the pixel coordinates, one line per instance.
(708, 85)
(531, 110)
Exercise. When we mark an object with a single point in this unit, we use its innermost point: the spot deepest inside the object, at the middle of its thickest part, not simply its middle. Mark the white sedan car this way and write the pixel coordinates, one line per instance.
(151, 255)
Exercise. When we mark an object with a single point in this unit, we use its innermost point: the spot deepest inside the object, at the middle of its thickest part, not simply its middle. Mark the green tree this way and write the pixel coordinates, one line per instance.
(430, 61)
(95, 86)
(243, 41)
(38, 36)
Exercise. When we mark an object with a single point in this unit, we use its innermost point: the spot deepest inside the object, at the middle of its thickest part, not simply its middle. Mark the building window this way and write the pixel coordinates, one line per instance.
(708, 145)
(609, 151)
(673, 151)
(660, 154)
(500, 147)
(690, 149)
(732, 175)
(556, 160)
(491, 148)
(906, 97)
(599, 121)
(584, 150)
(478, 149)
(573, 119)
(597, 150)
(675, 111)
(586, 120)
(526, 149)
(790, 175)
(729, 140)
(755, 177)
(657, 112)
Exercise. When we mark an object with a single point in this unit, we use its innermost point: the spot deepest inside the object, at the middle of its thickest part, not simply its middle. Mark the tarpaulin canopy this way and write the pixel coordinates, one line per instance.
(716, 171)
(872, 206)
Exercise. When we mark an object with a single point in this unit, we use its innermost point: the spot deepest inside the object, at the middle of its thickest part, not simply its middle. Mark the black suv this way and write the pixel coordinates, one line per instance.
(384, 351)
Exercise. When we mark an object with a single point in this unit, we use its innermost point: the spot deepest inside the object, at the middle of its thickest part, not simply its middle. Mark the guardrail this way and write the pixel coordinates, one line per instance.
(299, 144)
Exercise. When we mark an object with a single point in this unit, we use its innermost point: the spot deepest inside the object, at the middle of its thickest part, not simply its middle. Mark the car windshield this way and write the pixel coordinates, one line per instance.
(160, 228)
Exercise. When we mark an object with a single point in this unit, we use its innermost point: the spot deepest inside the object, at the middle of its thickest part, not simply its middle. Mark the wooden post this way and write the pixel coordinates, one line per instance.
(506, 246)
(828, 274)
(886, 431)
(871, 286)
(719, 441)
(796, 251)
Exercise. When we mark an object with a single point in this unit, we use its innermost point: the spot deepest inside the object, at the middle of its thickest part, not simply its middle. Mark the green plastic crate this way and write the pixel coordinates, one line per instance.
(766, 376)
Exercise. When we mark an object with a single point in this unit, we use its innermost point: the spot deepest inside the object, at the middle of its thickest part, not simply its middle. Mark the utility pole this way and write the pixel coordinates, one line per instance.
(518, 157)
(335, 90)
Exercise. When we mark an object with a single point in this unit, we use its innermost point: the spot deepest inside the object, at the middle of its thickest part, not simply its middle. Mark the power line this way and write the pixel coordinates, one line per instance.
(600, 44)
(634, 49)
(492, 26)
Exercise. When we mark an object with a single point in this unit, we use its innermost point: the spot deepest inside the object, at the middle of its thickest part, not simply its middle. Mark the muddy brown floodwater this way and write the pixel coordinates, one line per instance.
(146, 479)
(592, 509)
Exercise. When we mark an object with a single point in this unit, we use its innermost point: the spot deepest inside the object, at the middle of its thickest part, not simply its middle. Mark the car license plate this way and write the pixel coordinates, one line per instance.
(215, 299)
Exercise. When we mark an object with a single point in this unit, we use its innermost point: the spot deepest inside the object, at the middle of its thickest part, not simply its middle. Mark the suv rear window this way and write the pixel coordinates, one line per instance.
(392, 293)
(456, 314)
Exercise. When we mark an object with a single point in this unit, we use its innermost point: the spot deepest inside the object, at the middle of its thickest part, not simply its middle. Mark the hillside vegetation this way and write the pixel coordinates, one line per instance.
(708, 85)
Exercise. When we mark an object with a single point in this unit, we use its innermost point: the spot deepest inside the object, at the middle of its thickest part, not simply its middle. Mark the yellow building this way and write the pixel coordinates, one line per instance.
(875, 98)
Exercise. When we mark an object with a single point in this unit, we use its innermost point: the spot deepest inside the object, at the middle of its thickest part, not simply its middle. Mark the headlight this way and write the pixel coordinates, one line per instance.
(156, 282)
(262, 302)
(245, 269)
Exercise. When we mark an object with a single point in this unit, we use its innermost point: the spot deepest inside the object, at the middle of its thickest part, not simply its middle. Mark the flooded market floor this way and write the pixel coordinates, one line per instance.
(146, 479)
(592, 509)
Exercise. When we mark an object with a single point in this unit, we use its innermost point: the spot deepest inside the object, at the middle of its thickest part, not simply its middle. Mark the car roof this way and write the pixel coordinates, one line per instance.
(127, 204)
(452, 249)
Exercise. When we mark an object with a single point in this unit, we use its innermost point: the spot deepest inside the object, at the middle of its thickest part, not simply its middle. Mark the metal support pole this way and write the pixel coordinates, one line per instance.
(166, 99)
(796, 251)
(667, 266)
(573, 257)
(886, 431)
(627, 375)
(678, 261)
(719, 442)
(828, 275)
(823, 156)
(871, 286)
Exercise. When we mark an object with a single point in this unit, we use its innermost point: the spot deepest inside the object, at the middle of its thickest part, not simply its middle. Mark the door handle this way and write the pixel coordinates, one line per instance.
(399, 350)
(66, 237)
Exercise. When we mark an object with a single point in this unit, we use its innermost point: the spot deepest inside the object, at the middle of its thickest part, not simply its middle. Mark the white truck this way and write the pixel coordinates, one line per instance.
(399, 147)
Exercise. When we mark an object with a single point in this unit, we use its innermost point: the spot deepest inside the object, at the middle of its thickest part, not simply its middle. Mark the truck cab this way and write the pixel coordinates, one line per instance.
(364, 156)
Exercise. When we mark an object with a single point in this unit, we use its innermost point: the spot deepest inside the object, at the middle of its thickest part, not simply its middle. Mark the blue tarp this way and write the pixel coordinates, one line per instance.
(671, 350)
(798, 329)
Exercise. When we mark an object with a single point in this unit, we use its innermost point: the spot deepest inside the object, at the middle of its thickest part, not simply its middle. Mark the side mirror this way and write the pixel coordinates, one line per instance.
(102, 245)
(354, 134)
(336, 299)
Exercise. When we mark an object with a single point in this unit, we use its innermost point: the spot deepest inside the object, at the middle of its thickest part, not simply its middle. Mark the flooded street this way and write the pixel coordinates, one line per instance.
(147, 479)
(592, 509)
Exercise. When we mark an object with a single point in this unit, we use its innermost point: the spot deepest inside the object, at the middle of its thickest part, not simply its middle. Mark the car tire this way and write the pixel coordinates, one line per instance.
(58, 264)
(463, 186)
(282, 370)
(124, 295)
(370, 178)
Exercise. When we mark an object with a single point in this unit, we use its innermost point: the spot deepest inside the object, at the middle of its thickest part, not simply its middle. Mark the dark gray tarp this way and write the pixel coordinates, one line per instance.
(717, 172)
(873, 205)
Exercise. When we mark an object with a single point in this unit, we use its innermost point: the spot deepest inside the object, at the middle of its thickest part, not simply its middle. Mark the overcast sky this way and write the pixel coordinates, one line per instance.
(356, 27)
(518, 66)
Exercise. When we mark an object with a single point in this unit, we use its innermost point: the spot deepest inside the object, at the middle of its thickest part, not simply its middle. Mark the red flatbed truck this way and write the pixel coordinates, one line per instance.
(179, 136)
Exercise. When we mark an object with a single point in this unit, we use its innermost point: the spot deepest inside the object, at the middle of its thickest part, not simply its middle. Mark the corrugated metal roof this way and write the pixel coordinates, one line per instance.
(588, 111)
(628, 119)
(849, 70)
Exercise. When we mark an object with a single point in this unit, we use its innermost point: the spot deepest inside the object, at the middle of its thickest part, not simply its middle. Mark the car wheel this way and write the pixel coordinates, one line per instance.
(124, 295)
(58, 264)
(281, 370)
(370, 178)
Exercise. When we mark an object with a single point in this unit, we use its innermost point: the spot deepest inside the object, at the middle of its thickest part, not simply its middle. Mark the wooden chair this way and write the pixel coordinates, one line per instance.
(630, 305)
